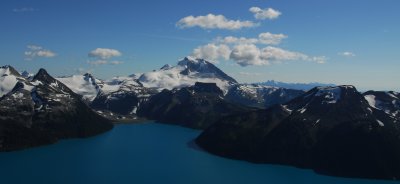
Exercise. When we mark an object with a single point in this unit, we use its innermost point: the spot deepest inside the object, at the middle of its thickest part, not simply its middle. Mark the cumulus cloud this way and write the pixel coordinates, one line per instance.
(212, 21)
(247, 54)
(24, 9)
(102, 56)
(266, 38)
(277, 54)
(263, 14)
(236, 40)
(35, 51)
(104, 53)
(212, 52)
(271, 39)
(347, 54)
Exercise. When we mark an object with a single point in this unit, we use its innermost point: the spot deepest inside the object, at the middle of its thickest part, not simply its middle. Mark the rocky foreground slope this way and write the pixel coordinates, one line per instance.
(332, 130)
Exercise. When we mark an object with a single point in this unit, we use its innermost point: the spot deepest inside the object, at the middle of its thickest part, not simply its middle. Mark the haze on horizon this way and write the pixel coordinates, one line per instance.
(341, 42)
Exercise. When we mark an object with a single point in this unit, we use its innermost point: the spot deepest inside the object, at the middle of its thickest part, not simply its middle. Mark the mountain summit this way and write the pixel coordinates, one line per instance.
(204, 67)
(186, 73)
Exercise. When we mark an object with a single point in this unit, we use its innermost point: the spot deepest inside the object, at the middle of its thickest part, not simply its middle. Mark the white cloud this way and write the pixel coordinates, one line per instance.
(212, 52)
(278, 54)
(35, 51)
(275, 54)
(251, 55)
(266, 38)
(271, 39)
(347, 54)
(104, 53)
(212, 21)
(263, 14)
(24, 9)
(247, 54)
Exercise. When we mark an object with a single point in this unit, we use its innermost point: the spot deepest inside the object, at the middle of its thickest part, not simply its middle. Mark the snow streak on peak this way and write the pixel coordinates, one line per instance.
(371, 100)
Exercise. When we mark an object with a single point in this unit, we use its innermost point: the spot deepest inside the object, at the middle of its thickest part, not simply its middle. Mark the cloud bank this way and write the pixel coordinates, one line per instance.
(252, 51)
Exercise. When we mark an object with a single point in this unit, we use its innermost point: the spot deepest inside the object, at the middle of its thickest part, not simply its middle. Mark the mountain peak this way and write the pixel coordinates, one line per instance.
(9, 70)
(87, 75)
(43, 76)
(325, 99)
(203, 66)
(189, 60)
(166, 67)
(332, 94)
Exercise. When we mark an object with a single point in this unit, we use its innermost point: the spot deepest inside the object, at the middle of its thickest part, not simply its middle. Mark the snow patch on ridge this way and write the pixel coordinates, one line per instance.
(331, 94)
(380, 123)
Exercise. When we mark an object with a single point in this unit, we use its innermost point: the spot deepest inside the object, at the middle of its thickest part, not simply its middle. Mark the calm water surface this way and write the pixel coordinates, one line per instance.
(144, 153)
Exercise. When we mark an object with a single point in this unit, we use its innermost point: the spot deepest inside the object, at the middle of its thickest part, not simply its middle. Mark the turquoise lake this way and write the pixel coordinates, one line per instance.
(144, 153)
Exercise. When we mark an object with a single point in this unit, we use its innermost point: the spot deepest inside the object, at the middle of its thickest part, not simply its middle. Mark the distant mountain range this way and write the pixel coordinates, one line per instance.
(334, 130)
(298, 86)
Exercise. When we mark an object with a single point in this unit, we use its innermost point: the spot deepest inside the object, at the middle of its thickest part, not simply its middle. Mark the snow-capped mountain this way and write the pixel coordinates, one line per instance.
(261, 96)
(122, 95)
(332, 130)
(43, 110)
(110, 98)
(389, 102)
(8, 78)
(85, 85)
(187, 73)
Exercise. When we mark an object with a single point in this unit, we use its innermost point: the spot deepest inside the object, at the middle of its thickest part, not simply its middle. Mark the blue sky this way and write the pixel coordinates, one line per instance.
(342, 41)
